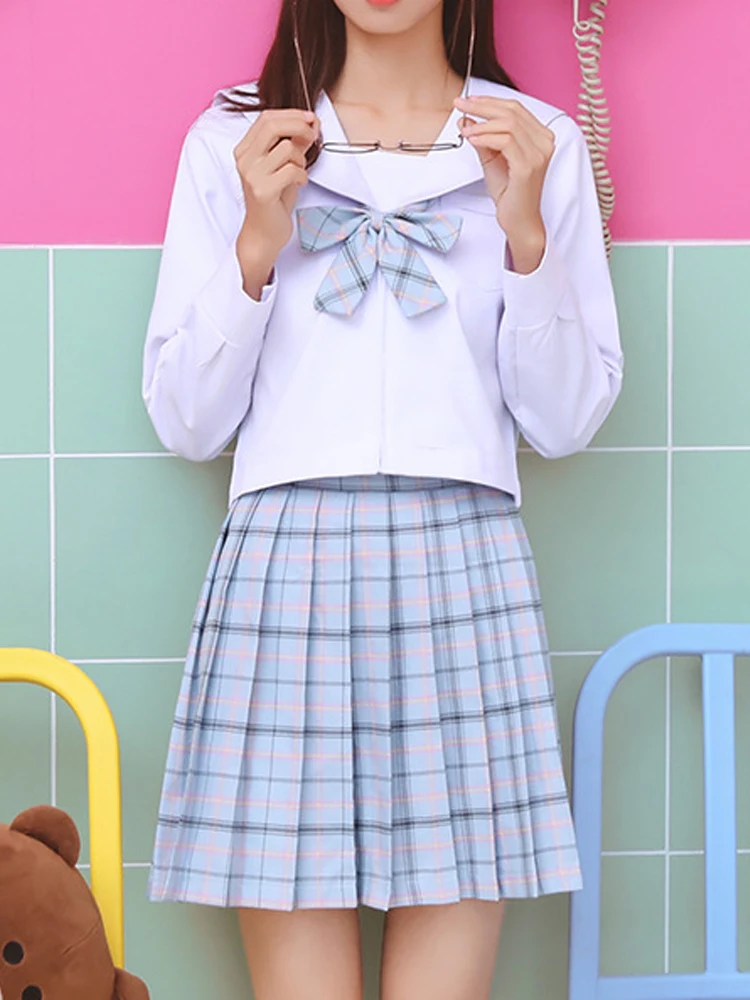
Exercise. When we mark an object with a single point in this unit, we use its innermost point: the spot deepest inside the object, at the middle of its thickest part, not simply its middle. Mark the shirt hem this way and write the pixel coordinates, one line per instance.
(432, 463)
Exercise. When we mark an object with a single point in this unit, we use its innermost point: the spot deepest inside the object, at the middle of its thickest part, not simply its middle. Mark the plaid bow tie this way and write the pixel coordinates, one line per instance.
(368, 239)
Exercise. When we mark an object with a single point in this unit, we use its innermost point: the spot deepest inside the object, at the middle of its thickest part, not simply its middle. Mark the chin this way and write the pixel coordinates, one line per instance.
(387, 17)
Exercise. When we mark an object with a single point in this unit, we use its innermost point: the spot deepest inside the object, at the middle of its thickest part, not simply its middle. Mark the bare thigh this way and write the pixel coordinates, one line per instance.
(441, 952)
(303, 954)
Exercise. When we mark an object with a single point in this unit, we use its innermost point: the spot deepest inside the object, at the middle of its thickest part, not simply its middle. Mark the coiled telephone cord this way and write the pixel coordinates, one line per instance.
(593, 113)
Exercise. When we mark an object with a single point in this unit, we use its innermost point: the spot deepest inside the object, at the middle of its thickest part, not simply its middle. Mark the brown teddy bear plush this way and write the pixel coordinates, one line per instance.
(52, 940)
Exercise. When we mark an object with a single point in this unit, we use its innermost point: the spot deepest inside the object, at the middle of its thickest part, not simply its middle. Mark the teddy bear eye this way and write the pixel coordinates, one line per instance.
(13, 953)
(31, 993)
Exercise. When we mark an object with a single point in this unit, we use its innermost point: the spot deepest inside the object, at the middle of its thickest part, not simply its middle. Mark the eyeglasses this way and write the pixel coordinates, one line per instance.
(373, 147)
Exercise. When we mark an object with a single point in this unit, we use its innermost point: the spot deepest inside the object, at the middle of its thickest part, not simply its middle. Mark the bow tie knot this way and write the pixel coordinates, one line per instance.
(369, 239)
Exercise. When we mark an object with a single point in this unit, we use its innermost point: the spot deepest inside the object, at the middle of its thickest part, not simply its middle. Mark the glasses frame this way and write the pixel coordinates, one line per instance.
(373, 147)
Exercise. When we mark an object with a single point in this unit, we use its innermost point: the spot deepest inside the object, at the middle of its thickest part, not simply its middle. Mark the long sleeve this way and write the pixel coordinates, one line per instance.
(205, 333)
(559, 352)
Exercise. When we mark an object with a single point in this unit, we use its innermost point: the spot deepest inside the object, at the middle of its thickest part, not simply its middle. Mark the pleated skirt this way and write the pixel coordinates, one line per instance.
(367, 712)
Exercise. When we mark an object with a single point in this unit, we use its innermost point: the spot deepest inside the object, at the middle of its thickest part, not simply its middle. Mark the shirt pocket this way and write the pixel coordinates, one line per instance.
(479, 253)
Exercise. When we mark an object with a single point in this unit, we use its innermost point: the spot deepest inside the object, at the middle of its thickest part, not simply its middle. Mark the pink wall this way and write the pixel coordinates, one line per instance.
(95, 98)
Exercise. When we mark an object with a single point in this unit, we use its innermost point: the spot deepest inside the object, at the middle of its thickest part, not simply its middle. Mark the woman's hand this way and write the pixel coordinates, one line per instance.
(271, 163)
(515, 150)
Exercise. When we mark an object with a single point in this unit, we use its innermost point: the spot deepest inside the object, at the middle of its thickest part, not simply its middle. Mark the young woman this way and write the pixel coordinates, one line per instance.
(379, 267)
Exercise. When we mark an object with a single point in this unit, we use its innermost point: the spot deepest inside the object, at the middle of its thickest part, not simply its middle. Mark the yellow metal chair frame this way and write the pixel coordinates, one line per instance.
(33, 666)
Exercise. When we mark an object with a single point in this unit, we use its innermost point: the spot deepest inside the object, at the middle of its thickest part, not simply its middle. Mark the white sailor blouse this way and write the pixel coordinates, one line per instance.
(393, 335)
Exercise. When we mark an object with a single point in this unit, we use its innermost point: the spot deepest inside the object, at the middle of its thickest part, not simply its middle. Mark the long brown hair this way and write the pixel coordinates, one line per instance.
(322, 32)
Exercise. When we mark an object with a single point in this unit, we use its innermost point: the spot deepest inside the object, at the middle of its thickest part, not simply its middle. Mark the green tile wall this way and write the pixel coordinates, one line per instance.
(711, 347)
(100, 300)
(24, 336)
(142, 697)
(104, 540)
(134, 536)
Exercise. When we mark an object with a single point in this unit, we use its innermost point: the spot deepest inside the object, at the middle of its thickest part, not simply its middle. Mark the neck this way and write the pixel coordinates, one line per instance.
(398, 72)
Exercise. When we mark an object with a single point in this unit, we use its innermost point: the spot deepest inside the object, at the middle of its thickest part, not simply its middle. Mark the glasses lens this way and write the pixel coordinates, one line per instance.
(436, 147)
(402, 147)
(350, 147)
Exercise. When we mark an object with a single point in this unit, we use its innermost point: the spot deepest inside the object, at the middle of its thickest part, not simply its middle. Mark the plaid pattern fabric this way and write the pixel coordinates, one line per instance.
(367, 714)
(369, 238)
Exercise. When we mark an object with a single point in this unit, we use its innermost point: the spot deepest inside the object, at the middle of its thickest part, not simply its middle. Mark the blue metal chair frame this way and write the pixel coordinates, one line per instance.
(717, 645)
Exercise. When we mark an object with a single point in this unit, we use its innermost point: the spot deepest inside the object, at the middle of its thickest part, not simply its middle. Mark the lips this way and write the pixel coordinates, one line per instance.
(382, 3)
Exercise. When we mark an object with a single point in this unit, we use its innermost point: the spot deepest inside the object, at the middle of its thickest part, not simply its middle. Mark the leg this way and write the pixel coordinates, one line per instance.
(441, 952)
(303, 954)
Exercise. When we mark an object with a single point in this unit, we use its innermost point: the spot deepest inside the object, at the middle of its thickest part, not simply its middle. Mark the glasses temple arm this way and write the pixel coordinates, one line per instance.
(300, 62)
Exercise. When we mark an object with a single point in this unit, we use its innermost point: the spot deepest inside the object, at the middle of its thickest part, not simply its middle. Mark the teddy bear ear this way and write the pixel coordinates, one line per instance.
(129, 987)
(53, 828)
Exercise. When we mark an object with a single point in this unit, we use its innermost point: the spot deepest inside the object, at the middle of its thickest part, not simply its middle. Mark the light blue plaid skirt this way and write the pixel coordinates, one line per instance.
(367, 714)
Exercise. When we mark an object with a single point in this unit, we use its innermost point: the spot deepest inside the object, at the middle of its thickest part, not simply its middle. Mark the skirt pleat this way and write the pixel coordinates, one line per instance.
(458, 719)
(268, 808)
(367, 712)
(424, 843)
(373, 691)
(325, 831)
(533, 804)
(475, 742)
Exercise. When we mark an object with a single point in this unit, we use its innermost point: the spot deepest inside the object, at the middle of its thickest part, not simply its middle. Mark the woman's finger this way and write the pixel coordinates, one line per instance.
(271, 126)
(285, 151)
(301, 132)
(258, 175)
(263, 122)
(269, 188)
(541, 139)
(499, 108)
(536, 149)
(491, 107)
(286, 176)
(507, 144)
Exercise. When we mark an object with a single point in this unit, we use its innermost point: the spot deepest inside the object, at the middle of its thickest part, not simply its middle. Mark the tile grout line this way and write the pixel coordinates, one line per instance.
(668, 613)
(608, 449)
(86, 865)
(670, 422)
(686, 853)
(671, 243)
(147, 660)
(80, 246)
(576, 652)
(605, 854)
(708, 447)
(118, 454)
(744, 851)
(52, 513)
(128, 661)
(613, 450)
(625, 243)
(636, 853)
(661, 853)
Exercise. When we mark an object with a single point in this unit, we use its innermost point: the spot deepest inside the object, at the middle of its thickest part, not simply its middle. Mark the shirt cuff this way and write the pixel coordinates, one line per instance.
(534, 299)
(228, 306)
